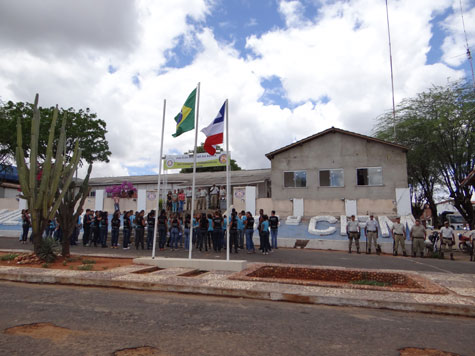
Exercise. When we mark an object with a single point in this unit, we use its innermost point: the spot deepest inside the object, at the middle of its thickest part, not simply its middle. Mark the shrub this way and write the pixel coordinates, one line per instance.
(49, 250)
(45, 265)
(9, 257)
(88, 262)
(87, 267)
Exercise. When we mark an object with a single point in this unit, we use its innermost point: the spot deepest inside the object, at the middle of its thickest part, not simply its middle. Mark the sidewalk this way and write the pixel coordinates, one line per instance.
(453, 296)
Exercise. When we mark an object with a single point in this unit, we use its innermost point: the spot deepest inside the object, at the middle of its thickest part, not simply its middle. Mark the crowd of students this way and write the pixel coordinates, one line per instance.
(174, 230)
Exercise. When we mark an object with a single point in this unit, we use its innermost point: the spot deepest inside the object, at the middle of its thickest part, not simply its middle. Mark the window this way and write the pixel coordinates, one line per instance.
(92, 193)
(295, 179)
(369, 176)
(331, 178)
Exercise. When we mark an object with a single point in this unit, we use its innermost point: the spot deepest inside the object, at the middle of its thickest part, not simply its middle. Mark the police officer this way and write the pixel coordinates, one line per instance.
(418, 236)
(214, 191)
(448, 238)
(87, 227)
(399, 236)
(371, 231)
(353, 232)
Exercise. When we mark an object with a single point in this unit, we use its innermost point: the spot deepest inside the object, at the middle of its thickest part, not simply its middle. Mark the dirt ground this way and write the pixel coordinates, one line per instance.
(75, 262)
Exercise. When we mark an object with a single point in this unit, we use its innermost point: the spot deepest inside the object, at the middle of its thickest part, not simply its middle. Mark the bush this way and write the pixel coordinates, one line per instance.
(88, 262)
(9, 257)
(49, 250)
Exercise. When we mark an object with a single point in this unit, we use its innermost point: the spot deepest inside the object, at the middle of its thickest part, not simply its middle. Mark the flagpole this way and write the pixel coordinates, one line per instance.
(158, 185)
(227, 181)
(190, 243)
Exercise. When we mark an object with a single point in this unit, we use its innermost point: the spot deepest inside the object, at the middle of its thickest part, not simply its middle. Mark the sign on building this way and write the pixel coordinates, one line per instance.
(186, 161)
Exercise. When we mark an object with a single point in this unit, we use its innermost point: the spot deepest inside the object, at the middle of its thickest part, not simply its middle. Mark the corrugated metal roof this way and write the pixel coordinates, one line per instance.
(243, 177)
(271, 155)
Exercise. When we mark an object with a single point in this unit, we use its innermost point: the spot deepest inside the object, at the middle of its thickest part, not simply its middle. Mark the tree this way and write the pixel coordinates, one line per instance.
(200, 149)
(44, 182)
(438, 127)
(82, 127)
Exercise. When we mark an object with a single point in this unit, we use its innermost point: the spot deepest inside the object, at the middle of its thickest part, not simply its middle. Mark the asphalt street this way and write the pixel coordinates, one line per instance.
(291, 256)
(101, 321)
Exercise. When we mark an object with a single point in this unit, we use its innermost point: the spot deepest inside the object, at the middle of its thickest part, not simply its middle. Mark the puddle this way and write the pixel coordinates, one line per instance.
(41, 331)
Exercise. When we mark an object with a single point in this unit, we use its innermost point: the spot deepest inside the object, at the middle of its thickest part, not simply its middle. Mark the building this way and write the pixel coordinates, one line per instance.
(337, 171)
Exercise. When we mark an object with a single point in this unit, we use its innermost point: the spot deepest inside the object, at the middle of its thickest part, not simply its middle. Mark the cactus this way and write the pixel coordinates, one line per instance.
(69, 210)
(45, 191)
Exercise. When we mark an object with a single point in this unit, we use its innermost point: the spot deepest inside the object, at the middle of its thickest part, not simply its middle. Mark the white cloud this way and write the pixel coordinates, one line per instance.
(334, 71)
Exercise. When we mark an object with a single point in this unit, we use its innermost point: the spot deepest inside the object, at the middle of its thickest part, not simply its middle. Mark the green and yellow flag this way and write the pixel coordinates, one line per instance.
(185, 120)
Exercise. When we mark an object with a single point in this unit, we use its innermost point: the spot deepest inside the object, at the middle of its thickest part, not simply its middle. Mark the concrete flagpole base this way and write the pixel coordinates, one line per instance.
(202, 264)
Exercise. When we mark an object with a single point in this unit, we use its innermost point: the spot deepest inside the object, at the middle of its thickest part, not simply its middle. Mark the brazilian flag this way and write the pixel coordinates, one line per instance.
(185, 120)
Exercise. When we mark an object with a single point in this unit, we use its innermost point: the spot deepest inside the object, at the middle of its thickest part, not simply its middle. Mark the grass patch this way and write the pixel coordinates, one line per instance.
(45, 265)
(87, 267)
(369, 282)
(9, 257)
(65, 263)
(88, 262)
(72, 259)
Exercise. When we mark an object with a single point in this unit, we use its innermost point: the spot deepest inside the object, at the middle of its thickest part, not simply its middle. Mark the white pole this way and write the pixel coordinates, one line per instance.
(227, 180)
(158, 186)
(391, 65)
(190, 244)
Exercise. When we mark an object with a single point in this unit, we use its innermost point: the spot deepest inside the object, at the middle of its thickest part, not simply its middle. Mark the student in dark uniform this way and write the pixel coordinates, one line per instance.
(186, 230)
(97, 228)
(233, 233)
(162, 229)
(126, 232)
(139, 230)
(265, 235)
(115, 226)
(87, 227)
(104, 226)
(174, 231)
(217, 231)
(203, 235)
(150, 229)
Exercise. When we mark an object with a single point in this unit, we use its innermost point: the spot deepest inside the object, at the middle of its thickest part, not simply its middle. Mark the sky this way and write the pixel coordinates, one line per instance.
(289, 68)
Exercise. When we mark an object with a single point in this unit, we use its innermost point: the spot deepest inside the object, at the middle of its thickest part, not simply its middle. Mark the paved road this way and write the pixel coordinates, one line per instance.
(293, 256)
(101, 321)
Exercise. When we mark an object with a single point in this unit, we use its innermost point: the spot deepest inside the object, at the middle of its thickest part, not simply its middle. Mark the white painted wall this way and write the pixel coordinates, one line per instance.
(141, 199)
(99, 200)
(350, 207)
(298, 207)
(403, 201)
(251, 199)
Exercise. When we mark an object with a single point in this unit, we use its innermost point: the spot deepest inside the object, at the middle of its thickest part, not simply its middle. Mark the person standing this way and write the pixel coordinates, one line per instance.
(150, 228)
(233, 233)
(116, 203)
(448, 238)
(86, 227)
(209, 239)
(186, 230)
(181, 200)
(399, 236)
(418, 236)
(274, 225)
(104, 228)
(249, 232)
(353, 232)
(174, 201)
(203, 236)
(240, 228)
(96, 228)
(214, 192)
(189, 197)
(259, 230)
(217, 231)
(265, 235)
(126, 232)
(26, 223)
(222, 198)
(174, 231)
(139, 230)
(115, 226)
(371, 232)
(162, 229)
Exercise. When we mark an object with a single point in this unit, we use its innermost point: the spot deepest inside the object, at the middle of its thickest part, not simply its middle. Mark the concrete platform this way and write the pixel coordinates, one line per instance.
(201, 264)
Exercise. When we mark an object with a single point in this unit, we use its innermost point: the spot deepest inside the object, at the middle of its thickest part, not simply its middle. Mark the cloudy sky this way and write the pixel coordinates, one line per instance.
(289, 68)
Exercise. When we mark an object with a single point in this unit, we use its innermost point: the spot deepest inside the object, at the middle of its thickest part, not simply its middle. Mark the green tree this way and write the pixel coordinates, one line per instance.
(200, 149)
(438, 127)
(82, 126)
